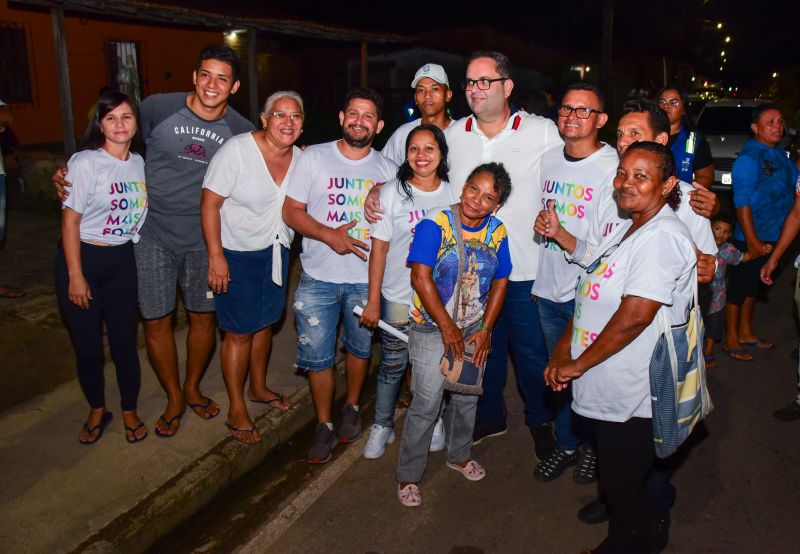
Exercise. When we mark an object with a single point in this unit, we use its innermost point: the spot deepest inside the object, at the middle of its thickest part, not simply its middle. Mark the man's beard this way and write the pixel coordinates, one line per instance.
(356, 142)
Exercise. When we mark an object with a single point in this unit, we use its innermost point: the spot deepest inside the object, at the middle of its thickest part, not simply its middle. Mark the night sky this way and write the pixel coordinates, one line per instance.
(765, 35)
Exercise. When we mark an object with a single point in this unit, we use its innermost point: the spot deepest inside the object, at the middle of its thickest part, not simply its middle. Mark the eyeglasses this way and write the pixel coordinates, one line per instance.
(580, 113)
(592, 267)
(663, 102)
(482, 84)
(281, 116)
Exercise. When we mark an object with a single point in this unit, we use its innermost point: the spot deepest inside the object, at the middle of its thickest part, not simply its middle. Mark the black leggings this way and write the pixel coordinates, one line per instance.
(626, 456)
(111, 274)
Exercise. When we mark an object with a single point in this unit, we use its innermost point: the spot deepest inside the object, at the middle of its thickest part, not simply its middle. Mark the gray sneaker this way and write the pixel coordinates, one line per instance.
(324, 442)
(350, 426)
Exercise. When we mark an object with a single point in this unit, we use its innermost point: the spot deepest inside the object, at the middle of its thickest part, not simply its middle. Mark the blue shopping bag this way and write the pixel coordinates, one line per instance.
(678, 389)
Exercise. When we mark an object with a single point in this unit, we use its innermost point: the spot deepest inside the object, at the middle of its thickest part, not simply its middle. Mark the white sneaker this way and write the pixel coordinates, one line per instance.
(437, 440)
(379, 437)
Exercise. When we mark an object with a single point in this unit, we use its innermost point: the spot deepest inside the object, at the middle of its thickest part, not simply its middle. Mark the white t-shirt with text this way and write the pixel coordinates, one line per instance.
(109, 193)
(397, 226)
(576, 187)
(334, 189)
(655, 262)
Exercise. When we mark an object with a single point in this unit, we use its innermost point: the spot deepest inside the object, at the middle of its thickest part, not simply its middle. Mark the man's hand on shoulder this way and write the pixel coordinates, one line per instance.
(706, 266)
(372, 205)
(704, 202)
(60, 183)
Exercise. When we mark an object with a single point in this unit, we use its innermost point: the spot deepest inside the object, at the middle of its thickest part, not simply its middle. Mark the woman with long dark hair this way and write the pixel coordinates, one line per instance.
(421, 185)
(95, 271)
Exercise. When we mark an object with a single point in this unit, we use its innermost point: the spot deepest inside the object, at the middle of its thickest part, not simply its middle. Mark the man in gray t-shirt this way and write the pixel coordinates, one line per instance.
(182, 132)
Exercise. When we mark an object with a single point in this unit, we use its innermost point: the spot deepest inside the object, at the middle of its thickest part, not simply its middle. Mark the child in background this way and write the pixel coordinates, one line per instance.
(714, 319)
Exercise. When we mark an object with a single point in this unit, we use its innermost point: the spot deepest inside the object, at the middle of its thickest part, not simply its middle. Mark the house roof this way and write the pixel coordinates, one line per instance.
(227, 15)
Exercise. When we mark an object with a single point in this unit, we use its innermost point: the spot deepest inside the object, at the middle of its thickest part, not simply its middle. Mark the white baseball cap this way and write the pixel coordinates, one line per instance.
(432, 71)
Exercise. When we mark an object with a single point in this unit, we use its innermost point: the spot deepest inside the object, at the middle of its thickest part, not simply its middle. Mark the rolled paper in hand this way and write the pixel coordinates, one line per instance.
(383, 325)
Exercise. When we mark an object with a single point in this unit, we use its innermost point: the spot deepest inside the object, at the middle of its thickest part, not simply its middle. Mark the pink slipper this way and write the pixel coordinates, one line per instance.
(409, 495)
(472, 471)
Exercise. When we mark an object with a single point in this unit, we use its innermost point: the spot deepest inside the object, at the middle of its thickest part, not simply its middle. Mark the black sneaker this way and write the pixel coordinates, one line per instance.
(595, 511)
(659, 532)
(544, 443)
(486, 429)
(554, 465)
(351, 425)
(324, 442)
(586, 471)
(789, 413)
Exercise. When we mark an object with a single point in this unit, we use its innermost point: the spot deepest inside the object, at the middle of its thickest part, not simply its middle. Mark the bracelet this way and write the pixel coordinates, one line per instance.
(481, 327)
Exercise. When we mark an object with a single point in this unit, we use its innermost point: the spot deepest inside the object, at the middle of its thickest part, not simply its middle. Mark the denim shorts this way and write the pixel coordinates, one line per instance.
(317, 308)
(253, 301)
(159, 269)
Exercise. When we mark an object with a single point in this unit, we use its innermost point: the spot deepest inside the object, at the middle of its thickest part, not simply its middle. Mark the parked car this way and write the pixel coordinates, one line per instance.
(726, 126)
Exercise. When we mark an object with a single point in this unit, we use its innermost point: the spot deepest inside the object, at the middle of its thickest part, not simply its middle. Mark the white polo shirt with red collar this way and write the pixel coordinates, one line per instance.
(519, 147)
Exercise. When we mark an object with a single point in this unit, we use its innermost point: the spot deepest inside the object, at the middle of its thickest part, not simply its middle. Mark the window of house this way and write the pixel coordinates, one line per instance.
(122, 59)
(16, 64)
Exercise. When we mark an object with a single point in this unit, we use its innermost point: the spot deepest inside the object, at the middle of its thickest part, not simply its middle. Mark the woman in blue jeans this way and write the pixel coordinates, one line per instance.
(421, 185)
(474, 306)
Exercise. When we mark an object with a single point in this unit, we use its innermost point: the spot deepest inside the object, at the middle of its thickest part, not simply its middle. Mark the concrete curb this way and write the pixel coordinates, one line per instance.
(200, 482)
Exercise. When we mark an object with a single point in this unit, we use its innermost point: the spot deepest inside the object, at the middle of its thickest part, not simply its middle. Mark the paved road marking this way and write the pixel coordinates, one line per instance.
(281, 522)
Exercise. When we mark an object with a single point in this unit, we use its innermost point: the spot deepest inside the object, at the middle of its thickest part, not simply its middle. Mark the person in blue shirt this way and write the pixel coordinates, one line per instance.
(692, 153)
(763, 192)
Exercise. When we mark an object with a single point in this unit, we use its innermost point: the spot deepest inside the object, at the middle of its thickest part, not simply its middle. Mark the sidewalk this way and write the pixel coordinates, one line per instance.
(58, 495)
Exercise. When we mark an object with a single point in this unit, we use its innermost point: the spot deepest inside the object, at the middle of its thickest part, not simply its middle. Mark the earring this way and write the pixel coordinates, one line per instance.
(664, 194)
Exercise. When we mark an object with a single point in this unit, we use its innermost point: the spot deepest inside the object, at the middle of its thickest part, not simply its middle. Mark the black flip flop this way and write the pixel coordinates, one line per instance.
(271, 403)
(106, 419)
(132, 431)
(235, 430)
(168, 424)
(204, 407)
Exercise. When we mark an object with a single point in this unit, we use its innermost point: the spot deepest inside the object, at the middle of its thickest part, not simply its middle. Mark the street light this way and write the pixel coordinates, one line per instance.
(727, 39)
(722, 53)
(719, 25)
(775, 75)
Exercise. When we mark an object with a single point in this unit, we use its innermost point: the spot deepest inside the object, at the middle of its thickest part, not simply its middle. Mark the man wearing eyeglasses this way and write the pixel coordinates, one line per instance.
(431, 94)
(324, 200)
(497, 132)
(573, 178)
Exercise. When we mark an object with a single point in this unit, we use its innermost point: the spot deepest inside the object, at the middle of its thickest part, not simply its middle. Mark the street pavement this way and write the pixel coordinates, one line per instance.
(738, 488)
(737, 491)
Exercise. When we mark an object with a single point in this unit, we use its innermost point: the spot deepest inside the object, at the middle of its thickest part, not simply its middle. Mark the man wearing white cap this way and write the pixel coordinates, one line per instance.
(431, 94)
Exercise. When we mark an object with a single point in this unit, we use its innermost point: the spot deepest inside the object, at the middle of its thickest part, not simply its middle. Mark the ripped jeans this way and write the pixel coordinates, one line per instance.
(394, 358)
(318, 306)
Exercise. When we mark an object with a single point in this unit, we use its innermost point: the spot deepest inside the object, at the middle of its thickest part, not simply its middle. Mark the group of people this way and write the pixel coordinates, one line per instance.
(502, 234)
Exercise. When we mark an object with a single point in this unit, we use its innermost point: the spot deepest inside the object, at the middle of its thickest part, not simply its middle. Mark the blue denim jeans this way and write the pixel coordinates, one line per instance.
(519, 333)
(317, 308)
(394, 359)
(554, 317)
(427, 383)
